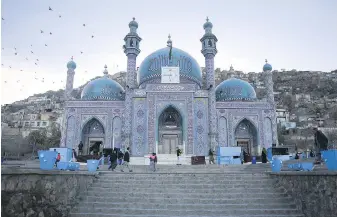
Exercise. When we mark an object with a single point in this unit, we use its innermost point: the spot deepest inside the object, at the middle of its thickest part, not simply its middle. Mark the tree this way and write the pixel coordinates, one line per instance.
(54, 137)
(37, 137)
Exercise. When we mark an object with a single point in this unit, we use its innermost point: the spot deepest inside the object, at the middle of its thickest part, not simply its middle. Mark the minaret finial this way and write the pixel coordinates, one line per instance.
(105, 72)
(169, 41)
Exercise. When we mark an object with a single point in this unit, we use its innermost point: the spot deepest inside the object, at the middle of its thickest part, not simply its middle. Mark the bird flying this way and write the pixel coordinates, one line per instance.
(50, 9)
(41, 31)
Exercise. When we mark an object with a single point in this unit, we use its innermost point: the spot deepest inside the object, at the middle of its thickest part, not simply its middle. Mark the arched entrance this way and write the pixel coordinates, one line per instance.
(170, 131)
(93, 135)
(246, 137)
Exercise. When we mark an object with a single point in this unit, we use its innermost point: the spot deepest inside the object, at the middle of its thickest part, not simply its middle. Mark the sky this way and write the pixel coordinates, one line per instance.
(299, 34)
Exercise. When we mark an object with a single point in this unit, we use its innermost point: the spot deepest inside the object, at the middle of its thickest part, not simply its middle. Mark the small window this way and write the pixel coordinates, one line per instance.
(38, 124)
(44, 123)
(27, 124)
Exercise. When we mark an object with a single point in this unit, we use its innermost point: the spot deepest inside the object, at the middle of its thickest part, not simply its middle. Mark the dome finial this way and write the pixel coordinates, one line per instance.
(266, 61)
(133, 18)
(231, 68)
(207, 19)
(169, 41)
(72, 57)
(105, 72)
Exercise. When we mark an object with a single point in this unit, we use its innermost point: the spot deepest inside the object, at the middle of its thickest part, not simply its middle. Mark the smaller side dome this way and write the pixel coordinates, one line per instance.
(103, 88)
(71, 64)
(235, 90)
(267, 67)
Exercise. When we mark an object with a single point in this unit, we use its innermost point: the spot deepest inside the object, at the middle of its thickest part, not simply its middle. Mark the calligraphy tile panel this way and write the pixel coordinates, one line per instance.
(139, 128)
(201, 128)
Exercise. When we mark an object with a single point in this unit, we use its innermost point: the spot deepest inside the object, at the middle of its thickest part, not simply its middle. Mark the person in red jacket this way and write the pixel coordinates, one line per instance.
(58, 158)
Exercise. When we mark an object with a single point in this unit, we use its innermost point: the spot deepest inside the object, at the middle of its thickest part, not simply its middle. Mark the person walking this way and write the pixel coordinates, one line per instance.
(153, 162)
(120, 157)
(113, 160)
(264, 155)
(179, 152)
(80, 148)
(211, 156)
(321, 144)
(126, 160)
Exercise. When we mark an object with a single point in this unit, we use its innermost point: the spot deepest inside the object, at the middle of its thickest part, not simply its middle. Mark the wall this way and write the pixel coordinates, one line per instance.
(36, 193)
(314, 192)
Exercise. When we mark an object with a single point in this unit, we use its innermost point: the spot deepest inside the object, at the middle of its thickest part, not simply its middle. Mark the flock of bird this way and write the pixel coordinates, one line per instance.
(33, 57)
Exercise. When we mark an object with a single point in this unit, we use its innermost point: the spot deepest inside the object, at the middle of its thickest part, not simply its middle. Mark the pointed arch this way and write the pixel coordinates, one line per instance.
(170, 126)
(93, 133)
(248, 119)
(246, 136)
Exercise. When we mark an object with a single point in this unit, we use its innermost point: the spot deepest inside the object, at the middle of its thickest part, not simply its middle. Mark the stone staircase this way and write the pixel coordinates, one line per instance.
(218, 192)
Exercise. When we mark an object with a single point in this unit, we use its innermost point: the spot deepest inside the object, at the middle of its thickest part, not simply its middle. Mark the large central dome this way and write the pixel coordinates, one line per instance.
(151, 66)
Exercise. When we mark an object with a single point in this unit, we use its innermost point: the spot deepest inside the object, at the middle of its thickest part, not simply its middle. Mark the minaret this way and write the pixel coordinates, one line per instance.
(209, 51)
(131, 49)
(269, 84)
(71, 65)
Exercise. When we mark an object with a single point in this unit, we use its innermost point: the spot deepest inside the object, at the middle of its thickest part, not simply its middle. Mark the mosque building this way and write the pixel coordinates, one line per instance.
(165, 106)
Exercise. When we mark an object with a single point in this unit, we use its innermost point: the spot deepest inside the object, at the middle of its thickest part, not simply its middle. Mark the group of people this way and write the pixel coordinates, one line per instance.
(119, 158)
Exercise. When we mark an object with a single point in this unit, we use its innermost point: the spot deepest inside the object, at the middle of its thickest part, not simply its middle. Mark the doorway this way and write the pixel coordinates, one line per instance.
(170, 144)
(170, 133)
(244, 144)
(95, 146)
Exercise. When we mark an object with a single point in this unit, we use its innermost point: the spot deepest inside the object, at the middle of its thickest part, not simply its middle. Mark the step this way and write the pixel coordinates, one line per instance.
(108, 196)
(197, 215)
(191, 206)
(188, 200)
(167, 182)
(182, 175)
(214, 186)
(183, 212)
(110, 191)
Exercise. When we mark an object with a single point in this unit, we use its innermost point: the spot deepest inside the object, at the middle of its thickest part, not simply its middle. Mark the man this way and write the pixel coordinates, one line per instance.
(321, 144)
(178, 155)
(80, 148)
(126, 160)
(113, 160)
(211, 156)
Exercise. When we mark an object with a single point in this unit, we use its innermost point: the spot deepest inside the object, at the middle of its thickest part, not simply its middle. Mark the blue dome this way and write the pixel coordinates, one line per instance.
(71, 65)
(151, 66)
(267, 67)
(103, 88)
(234, 89)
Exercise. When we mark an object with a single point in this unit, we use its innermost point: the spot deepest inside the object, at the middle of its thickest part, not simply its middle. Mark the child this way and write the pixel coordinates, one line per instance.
(58, 158)
(153, 162)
